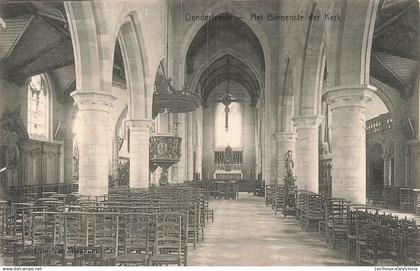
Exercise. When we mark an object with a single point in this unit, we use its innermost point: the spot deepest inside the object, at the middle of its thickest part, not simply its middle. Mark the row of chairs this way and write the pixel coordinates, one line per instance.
(106, 227)
(281, 198)
(91, 238)
(36, 190)
(219, 189)
(403, 199)
(369, 237)
(383, 239)
(259, 188)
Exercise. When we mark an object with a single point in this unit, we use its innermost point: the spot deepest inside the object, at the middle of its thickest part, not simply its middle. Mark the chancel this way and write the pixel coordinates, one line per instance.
(209, 133)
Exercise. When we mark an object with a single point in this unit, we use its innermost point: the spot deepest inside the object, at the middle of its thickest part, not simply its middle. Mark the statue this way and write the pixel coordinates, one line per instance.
(289, 164)
(12, 150)
(12, 135)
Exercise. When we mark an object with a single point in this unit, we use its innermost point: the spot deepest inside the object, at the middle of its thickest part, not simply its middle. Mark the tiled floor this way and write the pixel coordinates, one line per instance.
(246, 232)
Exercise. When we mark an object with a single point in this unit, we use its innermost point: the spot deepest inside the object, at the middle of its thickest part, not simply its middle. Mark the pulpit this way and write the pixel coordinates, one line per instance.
(165, 150)
(166, 98)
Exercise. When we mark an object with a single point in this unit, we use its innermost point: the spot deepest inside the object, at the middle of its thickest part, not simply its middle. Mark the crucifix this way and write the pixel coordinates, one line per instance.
(227, 100)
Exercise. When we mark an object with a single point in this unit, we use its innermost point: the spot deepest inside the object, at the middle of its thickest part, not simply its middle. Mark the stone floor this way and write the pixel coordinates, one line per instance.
(246, 232)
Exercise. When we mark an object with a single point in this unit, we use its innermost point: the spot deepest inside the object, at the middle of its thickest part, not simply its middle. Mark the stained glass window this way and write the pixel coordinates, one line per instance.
(233, 136)
(37, 108)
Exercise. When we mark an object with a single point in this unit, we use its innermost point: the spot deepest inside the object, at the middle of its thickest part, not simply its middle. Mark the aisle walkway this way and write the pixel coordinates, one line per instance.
(246, 232)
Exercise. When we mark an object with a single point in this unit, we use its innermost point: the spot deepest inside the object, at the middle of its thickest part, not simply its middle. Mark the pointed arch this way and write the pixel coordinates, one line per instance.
(131, 42)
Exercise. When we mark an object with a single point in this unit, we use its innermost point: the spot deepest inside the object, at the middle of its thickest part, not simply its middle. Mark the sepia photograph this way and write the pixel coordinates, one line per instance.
(209, 133)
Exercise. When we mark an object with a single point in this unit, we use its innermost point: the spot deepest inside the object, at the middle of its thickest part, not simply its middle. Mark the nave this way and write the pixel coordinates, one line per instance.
(247, 233)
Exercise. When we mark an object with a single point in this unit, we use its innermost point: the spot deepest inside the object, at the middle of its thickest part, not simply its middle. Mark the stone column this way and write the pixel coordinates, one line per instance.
(387, 171)
(414, 166)
(307, 152)
(139, 152)
(399, 141)
(93, 139)
(190, 146)
(348, 106)
(285, 142)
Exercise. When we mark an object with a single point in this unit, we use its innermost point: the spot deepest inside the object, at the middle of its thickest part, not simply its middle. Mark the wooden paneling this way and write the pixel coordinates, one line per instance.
(41, 162)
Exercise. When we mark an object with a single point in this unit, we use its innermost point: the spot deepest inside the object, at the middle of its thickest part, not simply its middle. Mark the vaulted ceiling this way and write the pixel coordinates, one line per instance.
(228, 68)
(222, 47)
(394, 58)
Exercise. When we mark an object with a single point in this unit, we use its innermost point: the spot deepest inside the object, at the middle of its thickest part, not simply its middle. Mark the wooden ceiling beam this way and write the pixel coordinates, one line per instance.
(405, 91)
(18, 38)
(382, 28)
(40, 53)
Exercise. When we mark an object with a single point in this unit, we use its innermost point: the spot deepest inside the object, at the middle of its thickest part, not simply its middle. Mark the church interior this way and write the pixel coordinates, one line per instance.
(209, 133)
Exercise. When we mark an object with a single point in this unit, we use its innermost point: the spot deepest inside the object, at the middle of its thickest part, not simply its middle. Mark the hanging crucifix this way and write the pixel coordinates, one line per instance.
(227, 100)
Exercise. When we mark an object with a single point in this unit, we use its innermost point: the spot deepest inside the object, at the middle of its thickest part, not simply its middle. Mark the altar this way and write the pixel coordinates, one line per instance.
(228, 164)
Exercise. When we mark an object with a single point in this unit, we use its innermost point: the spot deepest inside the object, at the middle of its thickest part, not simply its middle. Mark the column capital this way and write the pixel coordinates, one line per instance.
(349, 96)
(285, 136)
(93, 100)
(307, 121)
(141, 125)
(70, 135)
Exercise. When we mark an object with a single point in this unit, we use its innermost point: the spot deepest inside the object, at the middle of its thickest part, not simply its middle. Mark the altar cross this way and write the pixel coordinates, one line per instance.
(227, 100)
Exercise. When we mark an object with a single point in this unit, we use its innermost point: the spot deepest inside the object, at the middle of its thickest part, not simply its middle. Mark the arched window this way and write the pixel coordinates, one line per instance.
(38, 114)
(233, 136)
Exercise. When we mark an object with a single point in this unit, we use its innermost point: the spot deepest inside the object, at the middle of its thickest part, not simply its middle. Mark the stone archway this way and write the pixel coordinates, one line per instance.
(268, 95)
(92, 97)
(140, 99)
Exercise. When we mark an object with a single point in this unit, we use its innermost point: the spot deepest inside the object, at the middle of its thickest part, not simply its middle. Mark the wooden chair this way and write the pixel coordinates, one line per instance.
(279, 203)
(87, 255)
(3, 217)
(411, 244)
(313, 211)
(389, 249)
(268, 194)
(367, 241)
(407, 199)
(208, 213)
(388, 197)
(364, 236)
(50, 255)
(337, 221)
(135, 240)
(25, 256)
(167, 246)
(300, 204)
(76, 230)
(106, 233)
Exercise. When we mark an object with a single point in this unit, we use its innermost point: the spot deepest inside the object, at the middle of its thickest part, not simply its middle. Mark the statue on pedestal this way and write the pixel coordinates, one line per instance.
(12, 135)
(289, 164)
(289, 178)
